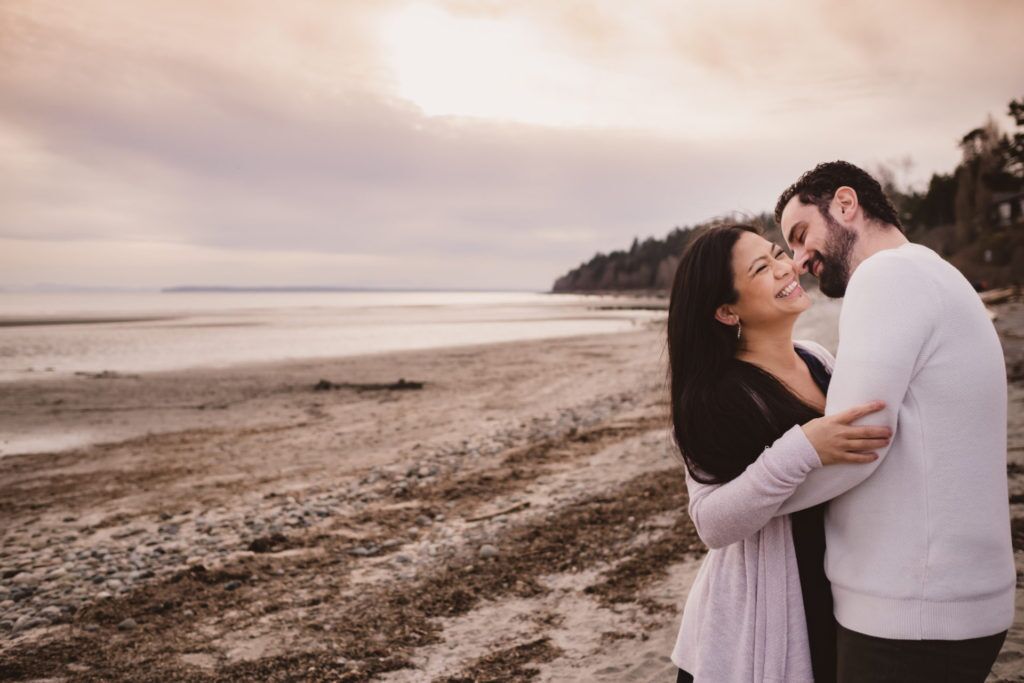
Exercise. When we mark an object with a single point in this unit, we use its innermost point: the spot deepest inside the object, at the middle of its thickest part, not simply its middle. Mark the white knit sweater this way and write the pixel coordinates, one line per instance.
(918, 542)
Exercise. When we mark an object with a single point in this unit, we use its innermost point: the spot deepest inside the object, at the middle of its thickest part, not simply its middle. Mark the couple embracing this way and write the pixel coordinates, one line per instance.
(855, 507)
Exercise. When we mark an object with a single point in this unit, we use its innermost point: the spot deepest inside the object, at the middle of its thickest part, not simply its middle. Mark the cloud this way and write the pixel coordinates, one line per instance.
(197, 140)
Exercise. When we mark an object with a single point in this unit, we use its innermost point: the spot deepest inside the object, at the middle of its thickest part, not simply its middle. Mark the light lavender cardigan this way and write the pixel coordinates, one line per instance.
(744, 616)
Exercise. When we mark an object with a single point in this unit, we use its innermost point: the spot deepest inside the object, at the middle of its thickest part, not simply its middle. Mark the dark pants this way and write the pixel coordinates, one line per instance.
(867, 659)
(864, 658)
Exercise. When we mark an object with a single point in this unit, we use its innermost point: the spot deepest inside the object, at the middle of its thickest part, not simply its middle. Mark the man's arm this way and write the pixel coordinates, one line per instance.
(888, 317)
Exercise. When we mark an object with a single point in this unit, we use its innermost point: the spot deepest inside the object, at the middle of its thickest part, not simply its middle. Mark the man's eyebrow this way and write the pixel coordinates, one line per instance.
(796, 226)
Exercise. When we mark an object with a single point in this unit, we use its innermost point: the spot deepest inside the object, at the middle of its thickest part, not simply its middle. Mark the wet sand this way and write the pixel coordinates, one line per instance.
(519, 517)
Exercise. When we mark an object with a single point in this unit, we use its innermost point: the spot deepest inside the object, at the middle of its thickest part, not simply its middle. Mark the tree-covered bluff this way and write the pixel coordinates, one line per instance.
(973, 216)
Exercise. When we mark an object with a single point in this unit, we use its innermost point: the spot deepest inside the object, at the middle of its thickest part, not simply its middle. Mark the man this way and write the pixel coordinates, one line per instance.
(918, 542)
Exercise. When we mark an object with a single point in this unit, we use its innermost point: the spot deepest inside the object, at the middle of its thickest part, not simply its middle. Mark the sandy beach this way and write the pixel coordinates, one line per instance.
(521, 516)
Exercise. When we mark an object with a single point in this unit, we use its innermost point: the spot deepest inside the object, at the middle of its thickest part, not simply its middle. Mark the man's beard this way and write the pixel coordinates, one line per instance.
(835, 258)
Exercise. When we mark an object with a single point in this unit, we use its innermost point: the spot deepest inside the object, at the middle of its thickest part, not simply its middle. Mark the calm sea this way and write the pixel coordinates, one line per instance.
(52, 335)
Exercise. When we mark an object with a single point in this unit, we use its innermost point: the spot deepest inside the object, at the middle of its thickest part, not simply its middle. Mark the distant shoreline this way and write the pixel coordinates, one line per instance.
(397, 290)
(40, 321)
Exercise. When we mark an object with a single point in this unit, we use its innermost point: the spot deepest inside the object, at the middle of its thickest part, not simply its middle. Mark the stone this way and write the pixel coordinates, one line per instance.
(57, 573)
(51, 612)
(25, 579)
(127, 625)
(26, 622)
(232, 585)
(488, 551)
(201, 660)
(22, 592)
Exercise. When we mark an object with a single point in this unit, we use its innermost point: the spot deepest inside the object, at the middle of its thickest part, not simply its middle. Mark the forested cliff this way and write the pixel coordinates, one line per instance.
(974, 216)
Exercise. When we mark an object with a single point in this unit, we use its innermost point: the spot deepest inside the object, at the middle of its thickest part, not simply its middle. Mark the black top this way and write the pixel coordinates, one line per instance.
(809, 542)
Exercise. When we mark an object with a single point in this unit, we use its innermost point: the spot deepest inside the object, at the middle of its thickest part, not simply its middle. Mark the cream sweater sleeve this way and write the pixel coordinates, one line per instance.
(885, 327)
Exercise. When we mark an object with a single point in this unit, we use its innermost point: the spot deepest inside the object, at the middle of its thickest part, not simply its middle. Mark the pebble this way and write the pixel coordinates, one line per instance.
(24, 623)
(22, 592)
(51, 612)
(127, 625)
(53, 573)
(25, 579)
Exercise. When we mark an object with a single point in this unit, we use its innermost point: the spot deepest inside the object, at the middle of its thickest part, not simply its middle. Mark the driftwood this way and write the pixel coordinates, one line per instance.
(400, 385)
(515, 508)
(997, 296)
(106, 374)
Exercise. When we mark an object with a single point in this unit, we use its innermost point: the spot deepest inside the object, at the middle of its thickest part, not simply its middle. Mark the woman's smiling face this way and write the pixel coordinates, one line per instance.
(767, 281)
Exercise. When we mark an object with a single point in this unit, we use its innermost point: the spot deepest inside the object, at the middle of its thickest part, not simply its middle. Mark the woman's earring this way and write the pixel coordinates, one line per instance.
(739, 328)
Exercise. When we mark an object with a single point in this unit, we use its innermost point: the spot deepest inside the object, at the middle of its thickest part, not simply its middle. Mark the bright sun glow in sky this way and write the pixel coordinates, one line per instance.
(483, 68)
(508, 70)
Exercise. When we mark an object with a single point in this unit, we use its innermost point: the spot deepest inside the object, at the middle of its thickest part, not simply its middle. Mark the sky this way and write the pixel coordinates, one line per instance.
(452, 143)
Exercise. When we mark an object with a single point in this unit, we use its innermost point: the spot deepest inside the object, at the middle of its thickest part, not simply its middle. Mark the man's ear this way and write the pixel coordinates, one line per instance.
(726, 315)
(845, 202)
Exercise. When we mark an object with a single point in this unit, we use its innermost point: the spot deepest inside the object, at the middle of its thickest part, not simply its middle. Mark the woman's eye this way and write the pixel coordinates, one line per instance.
(760, 269)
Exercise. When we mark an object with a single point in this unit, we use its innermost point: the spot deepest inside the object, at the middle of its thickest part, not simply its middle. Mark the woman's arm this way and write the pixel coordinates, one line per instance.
(730, 512)
(726, 513)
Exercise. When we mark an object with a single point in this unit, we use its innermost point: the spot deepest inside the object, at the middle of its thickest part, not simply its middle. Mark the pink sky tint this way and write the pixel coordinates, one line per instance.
(450, 143)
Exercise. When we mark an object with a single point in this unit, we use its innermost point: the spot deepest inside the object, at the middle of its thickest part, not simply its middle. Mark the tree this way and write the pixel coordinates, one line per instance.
(982, 161)
(1014, 145)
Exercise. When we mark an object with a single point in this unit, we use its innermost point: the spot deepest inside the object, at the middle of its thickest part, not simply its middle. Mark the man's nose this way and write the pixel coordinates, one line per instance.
(800, 258)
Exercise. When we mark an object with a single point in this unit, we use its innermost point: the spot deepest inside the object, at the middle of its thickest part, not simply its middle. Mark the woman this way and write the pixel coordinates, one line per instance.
(747, 405)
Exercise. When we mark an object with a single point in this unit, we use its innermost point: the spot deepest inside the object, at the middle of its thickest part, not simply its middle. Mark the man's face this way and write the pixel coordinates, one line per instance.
(820, 245)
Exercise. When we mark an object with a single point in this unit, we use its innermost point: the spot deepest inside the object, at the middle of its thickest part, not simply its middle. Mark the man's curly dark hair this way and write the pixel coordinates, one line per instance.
(818, 186)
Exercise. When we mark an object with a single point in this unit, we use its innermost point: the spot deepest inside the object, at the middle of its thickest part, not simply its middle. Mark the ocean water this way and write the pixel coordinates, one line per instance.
(57, 334)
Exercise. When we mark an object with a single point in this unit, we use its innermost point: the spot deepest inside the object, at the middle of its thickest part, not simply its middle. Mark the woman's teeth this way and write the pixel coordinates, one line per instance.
(787, 290)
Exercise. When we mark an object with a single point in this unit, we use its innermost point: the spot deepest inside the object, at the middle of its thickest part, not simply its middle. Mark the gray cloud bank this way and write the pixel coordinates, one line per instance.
(223, 147)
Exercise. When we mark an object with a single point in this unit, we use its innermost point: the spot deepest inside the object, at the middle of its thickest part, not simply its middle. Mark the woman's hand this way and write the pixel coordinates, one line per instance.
(836, 441)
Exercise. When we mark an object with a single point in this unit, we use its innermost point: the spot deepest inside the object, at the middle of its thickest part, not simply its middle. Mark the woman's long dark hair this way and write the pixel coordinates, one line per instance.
(725, 411)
